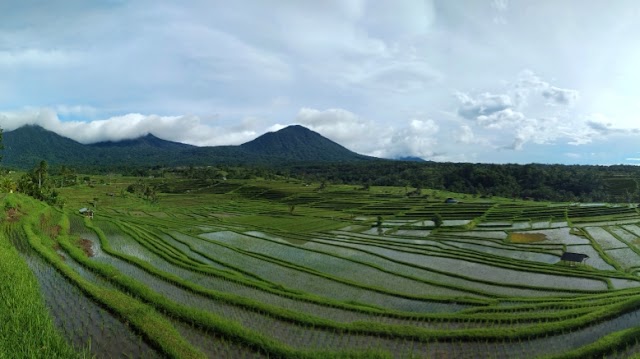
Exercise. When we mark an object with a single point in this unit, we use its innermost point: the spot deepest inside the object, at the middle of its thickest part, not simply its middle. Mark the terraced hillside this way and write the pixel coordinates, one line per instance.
(285, 269)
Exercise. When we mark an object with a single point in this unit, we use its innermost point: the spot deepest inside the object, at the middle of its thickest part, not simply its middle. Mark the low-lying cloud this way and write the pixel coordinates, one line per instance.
(416, 136)
(186, 129)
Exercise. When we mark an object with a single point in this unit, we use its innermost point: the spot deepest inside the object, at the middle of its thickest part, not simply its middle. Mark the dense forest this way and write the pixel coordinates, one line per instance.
(532, 181)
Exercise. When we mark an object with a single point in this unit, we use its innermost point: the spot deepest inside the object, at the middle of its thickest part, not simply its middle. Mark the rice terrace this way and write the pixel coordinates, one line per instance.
(283, 268)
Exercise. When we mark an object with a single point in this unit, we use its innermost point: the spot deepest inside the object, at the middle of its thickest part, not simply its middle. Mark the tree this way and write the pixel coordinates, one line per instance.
(67, 176)
(42, 172)
(35, 184)
(8, 185)
(437, 220)
(150, 194)
(323, 185)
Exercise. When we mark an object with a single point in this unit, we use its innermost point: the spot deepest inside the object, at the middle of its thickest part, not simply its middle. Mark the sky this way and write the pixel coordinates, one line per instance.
(493, 81)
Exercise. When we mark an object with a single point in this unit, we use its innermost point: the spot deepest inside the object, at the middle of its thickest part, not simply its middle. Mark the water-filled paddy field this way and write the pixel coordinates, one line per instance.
(334, 273)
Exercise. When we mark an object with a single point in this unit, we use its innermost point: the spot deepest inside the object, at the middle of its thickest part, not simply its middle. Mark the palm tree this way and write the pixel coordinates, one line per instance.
(41, 172)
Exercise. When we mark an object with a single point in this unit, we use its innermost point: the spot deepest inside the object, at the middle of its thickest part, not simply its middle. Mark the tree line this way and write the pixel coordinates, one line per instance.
(530, 181)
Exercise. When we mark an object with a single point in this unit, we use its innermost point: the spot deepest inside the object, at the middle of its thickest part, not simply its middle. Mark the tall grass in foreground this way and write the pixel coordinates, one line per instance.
(26, 327)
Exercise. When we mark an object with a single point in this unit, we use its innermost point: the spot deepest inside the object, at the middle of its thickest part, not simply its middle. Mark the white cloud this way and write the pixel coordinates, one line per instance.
(527, 111)
(465, 135)
(486, 104)
(529, 83)
(77, 110)
(38, 58)
(186, 129)
(400, 76)
(500, 7)
(501, 119)
(560, 96)
(416, 137)
(423, 127)
(339, 125)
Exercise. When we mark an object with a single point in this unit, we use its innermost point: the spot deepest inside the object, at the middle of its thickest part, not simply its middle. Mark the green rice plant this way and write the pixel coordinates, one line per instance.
(155, 328)
(26, 327)
(333, 265)
(83, 321)
(362, 253)
(466, 269)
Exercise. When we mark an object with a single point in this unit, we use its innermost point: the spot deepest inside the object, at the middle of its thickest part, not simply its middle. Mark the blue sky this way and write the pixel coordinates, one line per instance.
(475, 81)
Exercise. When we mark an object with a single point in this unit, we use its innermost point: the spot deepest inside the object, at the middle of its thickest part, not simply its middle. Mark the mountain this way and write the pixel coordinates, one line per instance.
(143, 143)
(28, 145)
(300, 144)
(410, 159)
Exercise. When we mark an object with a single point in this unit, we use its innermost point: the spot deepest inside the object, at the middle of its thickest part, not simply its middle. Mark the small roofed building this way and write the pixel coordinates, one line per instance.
(572, 258)
(450, 200)
(86, 212)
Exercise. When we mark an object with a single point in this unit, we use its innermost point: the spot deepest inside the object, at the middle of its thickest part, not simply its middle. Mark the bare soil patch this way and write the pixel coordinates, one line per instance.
(527, 237)
(13, 215)
(86, 246)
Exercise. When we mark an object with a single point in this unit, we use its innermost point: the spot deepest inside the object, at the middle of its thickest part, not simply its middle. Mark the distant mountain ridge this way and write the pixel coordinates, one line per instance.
(27, 145)
(147, 141)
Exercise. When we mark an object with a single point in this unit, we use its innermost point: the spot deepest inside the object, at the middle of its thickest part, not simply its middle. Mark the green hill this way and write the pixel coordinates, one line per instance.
(28, 145)
(301, 144)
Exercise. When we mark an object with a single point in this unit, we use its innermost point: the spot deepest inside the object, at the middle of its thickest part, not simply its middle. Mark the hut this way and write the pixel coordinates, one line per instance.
(86, 212)
(573, 258)
(450, 200)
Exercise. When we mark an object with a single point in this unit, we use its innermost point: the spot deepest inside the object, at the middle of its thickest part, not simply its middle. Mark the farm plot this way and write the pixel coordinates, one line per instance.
(277, 299)
(412, 232)
(332, 266)
(386, 239)
(501, 235)
(274, 269)
(508, 253)
(480, 271)
(595, 259)
(295, 335)
(635, 229)
(535, 244)
(581, 216)
(310, 282)
(558, 236)
(604, 239)
(626, 257)
(361, 253)
(83, 322)
(625, 235)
